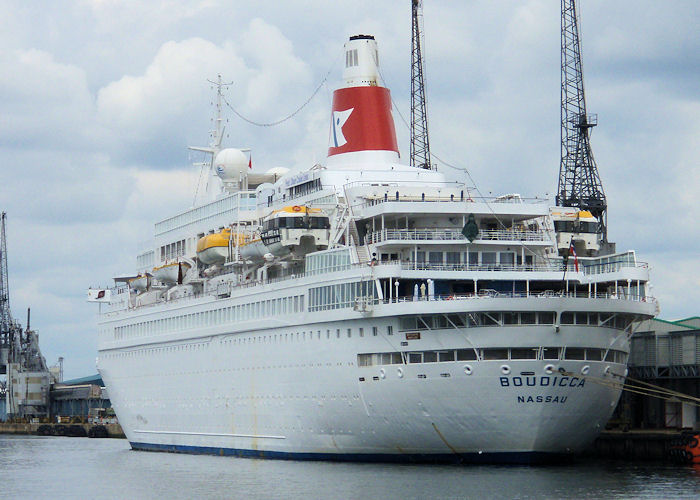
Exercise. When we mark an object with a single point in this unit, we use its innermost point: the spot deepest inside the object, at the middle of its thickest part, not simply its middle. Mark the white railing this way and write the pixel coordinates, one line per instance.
(122, 304)
(452, 235)
(486, 294)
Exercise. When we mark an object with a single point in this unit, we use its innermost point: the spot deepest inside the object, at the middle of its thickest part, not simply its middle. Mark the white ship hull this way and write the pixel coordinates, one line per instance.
(290, 386)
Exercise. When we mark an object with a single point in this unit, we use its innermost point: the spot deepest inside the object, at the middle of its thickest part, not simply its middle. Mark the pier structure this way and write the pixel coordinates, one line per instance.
(666, 354)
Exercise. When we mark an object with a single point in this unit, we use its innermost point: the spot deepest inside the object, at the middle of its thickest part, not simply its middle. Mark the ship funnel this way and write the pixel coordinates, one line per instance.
(361, 121)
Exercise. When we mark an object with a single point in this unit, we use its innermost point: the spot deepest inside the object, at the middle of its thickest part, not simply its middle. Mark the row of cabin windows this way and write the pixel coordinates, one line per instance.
(509, 318)
(470, 258)
(298, 222)
(563, 226)
(305, 188)
(342, 295)
(336, 333)
(172, 250)
(492, 354)
(203, 319)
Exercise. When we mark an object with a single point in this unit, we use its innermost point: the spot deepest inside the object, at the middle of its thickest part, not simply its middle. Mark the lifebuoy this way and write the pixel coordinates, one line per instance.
(296, 208)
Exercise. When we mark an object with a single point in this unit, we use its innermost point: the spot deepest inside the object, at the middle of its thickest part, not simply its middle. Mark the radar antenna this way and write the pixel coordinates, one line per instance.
(579, 182)
(420, 146)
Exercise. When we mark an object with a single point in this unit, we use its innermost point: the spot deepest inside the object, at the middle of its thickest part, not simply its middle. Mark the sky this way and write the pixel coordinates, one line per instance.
(100, 98)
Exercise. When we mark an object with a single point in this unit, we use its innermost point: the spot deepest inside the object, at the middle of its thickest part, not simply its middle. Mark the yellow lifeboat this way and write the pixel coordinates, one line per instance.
(213, 248)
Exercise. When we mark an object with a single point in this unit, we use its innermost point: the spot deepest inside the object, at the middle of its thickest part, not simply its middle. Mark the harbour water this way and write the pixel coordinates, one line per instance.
(59, 467)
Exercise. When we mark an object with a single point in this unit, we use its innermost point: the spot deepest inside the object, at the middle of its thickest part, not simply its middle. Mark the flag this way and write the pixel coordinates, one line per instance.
(99, 295)
(572, 251)
(250, 161)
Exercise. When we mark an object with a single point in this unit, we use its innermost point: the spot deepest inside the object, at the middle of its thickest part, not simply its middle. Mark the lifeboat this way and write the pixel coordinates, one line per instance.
(213, 248)
(172, 272)
(296, 230)
(254, 250)
(141, 282)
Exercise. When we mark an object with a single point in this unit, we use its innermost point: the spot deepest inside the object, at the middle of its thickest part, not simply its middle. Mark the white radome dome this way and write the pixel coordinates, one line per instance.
(231, 164)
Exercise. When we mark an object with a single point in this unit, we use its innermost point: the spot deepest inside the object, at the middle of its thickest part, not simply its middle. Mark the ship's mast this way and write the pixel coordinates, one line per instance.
(420, 146)
(579, 182)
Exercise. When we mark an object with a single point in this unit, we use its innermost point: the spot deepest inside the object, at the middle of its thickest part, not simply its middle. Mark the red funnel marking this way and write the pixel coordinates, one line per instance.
(361, 121)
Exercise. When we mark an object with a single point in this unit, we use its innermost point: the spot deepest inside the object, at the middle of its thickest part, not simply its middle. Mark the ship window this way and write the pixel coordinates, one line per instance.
(546, 318)
(452, 257)
(328, 334)
(435, 257)
(319, 223)
(390, 330)
(374, 331)
(507, 258)
(429, 357)
(446, 355)
(473, 258)
(488, 258)
(362, 332)
(337, 333)
(567, 318)
(528, 318)
(523, 353)
(550, 353)
(415, 357)
(466, 355)
(407, 323)
(494, 354)
(364, 360)
(349, 332)
(594, 354)
(581, 318)
(574, 353)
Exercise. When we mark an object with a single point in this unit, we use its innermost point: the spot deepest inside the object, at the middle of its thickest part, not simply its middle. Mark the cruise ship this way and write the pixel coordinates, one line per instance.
(363, 309)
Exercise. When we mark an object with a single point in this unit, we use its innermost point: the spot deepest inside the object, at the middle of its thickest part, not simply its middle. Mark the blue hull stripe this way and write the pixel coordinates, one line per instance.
(532, 457)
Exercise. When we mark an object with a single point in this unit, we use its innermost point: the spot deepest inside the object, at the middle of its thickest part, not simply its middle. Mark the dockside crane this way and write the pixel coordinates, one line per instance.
(420, 145)
(579, 183)
(28, 379)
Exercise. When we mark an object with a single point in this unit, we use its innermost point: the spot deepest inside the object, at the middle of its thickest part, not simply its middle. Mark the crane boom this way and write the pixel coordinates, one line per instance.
(420, 145)
(579, 182)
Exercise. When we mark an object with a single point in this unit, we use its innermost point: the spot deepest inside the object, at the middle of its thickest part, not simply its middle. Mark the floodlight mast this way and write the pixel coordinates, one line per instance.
(579, 182)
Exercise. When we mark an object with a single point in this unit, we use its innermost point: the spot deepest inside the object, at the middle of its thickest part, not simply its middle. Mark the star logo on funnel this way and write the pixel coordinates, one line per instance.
(339, 119)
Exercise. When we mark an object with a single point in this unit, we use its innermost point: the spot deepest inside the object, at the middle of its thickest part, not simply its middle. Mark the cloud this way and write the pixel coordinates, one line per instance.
(99, 99)
(45, 104)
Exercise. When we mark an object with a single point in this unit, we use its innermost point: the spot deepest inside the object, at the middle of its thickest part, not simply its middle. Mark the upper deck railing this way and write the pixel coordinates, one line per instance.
(553, 266)
(453, 235)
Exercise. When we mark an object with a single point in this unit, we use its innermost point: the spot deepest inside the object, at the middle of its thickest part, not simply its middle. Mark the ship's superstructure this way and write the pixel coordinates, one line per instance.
(366, 310)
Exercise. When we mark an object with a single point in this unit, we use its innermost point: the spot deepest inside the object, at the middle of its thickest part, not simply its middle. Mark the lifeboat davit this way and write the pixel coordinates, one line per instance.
(172, 272)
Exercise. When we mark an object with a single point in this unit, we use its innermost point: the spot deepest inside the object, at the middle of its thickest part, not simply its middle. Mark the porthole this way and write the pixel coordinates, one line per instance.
(505, 369)
(549, 369)
(585, 369)
(607, 370)
(382, 373)
(399, 372)
(468, 369)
